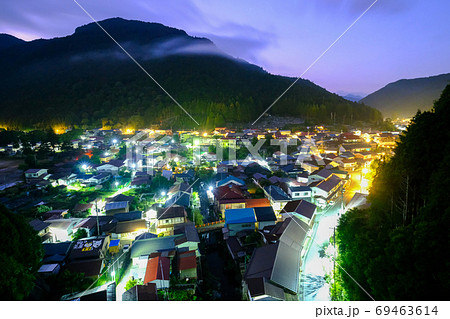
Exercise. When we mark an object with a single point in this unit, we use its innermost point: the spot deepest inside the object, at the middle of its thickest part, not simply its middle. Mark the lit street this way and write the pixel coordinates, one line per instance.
(314, 267)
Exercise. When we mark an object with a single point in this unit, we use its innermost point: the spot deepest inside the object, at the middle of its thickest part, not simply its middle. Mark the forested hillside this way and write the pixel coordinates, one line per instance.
(85, 79)
(398, 248)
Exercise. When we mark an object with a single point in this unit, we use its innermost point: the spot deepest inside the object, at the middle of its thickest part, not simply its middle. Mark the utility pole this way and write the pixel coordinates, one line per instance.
(98, 226)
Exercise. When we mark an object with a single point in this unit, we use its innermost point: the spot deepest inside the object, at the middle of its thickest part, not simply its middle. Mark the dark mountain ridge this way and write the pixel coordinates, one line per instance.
(405, 97)
(85, 79)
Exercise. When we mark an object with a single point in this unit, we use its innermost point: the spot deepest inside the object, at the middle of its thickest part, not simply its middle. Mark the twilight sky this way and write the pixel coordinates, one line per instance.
(395, 39)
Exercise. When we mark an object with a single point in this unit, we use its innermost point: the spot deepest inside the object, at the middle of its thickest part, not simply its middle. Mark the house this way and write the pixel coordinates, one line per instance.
(326, 190)
(99, 179)
(143, 248)
(354, 147)
(303, 178)
(128, 230)
(123, 217)
(89, 248)
(237, 220)
(346, 163)
(277, 197)
(302, 209)
(49, 270)
(140, 180)
(310, 166)
(228, 197)
(230, 180)
(170, 216)
(90, 268)
(87, 256)
(235, 248)
(279, 264)
(88, 224)
(108, 169)
(55, 214)
(56, 253)
(260, 289)
(300, 192)
(35, 174)
(179, 194)
(145, 235)
(113, 208)
(114, 246)
(62, 229)
(265, 216)
(42, 229)
(186, 237)
(256, 202)
(146, 292)
(292, 170)
(158, 272)
(319, 175)
(187, 176)
(272, 233)
(64, 178)
(120, 198)
(187, 265)
(81, 208)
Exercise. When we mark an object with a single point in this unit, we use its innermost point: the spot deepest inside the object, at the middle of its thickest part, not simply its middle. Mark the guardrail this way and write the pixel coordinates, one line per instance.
(210, 224)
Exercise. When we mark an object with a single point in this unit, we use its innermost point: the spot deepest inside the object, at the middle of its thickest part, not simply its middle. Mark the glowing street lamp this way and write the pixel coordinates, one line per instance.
(163, 193)
(210, 188)
(84, 166)
(114, 141)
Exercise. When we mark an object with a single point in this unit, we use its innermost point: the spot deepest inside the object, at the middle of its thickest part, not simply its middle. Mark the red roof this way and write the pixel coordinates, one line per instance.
(228, 192)
(158, 268)
(257, 202)
(187, 260)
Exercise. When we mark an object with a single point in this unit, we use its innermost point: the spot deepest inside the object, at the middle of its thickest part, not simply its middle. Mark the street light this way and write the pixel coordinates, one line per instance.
(163, 193)
(210, 188)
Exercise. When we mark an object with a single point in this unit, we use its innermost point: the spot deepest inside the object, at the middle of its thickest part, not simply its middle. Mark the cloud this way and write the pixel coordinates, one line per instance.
(240, 41)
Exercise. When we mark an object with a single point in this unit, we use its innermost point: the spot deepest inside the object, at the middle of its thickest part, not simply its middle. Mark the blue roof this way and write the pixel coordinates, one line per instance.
(230, 179)
(123, 217)
(239, 216)
(183, 200)
(115, 205)
(114, 243)
(276, 193)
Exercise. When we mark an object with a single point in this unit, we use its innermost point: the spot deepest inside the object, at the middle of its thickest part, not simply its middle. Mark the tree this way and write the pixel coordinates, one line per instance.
(80, 233)
(197, 216)
(395, 248)
(43, 209)
(20, 257)
(133, 282)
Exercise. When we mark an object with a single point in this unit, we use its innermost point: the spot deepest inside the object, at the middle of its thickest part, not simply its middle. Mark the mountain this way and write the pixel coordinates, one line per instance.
(352, 97)
(7, 41)
(403, 98)
(85, 79)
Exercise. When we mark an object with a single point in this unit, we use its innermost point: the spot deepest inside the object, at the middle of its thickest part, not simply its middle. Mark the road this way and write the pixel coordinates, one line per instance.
(314, 267)
(204, 204)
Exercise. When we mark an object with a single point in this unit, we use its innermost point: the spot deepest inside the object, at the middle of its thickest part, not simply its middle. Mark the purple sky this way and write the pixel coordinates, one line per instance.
(396, 39)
